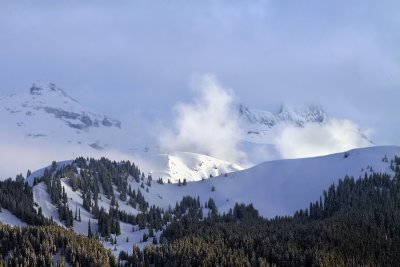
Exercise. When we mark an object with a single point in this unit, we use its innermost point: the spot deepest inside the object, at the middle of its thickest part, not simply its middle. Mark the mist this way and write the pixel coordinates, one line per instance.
(208, 124)
(336, 135)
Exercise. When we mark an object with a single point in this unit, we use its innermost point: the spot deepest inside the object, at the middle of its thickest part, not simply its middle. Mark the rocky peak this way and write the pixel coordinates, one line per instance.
(302, 114)
(40, 89)
(299, 115)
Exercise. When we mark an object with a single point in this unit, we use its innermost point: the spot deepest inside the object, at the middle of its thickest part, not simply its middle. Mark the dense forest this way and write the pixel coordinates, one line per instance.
(37, 246)
(355, 222)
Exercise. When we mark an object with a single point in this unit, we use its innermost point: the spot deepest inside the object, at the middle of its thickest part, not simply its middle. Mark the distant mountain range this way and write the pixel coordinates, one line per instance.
(46, 116)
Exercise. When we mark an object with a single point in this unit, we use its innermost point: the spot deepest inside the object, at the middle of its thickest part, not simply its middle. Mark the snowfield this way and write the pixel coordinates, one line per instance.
(278, 187)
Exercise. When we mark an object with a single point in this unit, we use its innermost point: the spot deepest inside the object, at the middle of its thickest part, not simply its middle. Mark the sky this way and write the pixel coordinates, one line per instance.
(126, 58)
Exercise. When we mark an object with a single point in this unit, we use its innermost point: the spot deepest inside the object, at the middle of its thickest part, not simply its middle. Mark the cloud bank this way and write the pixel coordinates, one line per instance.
(319, 139)
(208, 125)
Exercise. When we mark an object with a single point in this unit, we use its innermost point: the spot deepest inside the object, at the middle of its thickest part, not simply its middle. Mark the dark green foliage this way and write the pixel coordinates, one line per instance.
(145, 237)
(109, 222)
(90, 233)
(58, 195)
(17, 197)
(36, 246)
(243, 212)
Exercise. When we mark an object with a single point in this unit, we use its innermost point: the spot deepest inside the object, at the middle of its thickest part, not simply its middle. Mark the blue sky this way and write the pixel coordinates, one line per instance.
(125, 57)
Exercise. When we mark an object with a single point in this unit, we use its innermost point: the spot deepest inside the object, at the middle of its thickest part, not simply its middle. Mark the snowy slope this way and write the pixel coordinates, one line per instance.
(278, 187)
(7, 217)
(186, 165)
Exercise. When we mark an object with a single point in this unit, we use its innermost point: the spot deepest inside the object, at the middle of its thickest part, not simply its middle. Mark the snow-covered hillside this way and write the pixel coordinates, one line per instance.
(274, 188)
(7, 217)
(279, 187)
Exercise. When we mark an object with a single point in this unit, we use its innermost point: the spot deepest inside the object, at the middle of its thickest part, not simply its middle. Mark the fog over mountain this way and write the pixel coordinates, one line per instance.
(137, 60)
(212, 134)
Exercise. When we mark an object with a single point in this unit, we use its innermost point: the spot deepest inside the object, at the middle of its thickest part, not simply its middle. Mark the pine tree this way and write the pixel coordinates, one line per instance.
(90, 234)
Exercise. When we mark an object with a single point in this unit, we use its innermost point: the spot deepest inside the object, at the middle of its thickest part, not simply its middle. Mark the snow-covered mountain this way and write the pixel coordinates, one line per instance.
(46, 124)
(297, 115)
(274, 188)
(262, 131)
(47, 112)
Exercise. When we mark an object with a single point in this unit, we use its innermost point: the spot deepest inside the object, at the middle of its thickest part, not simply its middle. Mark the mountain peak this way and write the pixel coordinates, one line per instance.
(43, 88)
(297, 114)
(301, 114)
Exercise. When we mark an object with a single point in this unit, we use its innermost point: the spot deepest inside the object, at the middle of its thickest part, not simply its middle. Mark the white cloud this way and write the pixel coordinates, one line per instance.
(208, 125)
(316, 140)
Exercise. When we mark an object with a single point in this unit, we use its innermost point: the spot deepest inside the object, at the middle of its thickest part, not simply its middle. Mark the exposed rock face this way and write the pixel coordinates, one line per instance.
(81, 121)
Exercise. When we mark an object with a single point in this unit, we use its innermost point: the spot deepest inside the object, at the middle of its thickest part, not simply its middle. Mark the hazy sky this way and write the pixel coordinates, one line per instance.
(122, 57)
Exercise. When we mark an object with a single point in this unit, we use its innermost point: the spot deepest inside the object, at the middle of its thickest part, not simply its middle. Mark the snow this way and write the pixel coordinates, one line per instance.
(7, 217)
(42, 198)
(186, 165)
